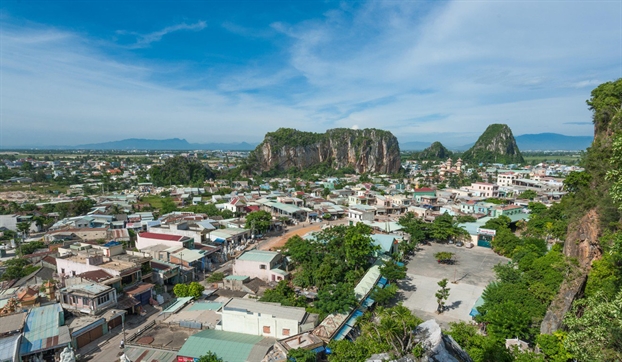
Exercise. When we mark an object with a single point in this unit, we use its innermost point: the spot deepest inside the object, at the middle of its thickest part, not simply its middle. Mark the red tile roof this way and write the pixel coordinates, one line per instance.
(159, 236)
(139, 289)
(96, 275)
(50, 259)
(424, 189)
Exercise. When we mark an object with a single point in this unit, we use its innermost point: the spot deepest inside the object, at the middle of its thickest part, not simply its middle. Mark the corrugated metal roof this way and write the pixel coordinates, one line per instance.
(177, 305)
(8, 346)
(43, 331)
(278, 311)
(259, 255)
(198, 306)
(367, 283)
(227, 345)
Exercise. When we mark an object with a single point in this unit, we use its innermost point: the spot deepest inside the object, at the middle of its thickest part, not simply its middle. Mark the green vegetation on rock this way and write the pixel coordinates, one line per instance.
(435, 152)
(495, 145)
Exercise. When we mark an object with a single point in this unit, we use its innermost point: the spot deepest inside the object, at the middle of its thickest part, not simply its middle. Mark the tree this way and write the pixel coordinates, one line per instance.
(382, 296)
(445, 228)
(390, 331)
(301, 355)
(576, 181)
(195, 290)
(596, 335)
(283, 293)
(392, 271)
(168, 206)
(444, 257)
(442, 295)
(462, 219)
(337, 298)
(181, 290)
(498, 223)
(415, 228)
(210, 357)
(258, 221)
(215, 277)
(529, 194)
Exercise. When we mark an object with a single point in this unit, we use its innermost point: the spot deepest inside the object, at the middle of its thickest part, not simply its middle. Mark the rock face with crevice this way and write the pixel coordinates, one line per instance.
(437, 346)
(365, 151)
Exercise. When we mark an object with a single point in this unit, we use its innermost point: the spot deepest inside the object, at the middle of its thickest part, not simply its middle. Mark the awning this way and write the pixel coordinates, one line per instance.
(219, 240)
(368, 302)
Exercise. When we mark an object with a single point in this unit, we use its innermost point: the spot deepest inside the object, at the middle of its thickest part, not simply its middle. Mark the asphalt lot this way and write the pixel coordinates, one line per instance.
(471, 272)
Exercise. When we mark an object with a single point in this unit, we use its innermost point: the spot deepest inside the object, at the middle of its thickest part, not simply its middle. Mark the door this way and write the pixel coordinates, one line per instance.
(90, 336)
(114, 322)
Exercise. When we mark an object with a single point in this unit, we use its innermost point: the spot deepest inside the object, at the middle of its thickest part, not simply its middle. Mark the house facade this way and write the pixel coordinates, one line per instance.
(265, 265)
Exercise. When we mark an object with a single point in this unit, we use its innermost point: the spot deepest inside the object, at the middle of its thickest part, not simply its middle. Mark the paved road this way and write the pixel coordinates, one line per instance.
(102, 351)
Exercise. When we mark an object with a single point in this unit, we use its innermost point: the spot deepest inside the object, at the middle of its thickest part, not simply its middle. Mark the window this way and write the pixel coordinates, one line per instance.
(285, 332)
(262, 266)
(103, 299)
(266, 329)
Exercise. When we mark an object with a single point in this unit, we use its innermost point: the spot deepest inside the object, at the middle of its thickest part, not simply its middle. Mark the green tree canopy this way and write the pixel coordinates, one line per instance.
(301, 355)
(258, 221)
(210, 357)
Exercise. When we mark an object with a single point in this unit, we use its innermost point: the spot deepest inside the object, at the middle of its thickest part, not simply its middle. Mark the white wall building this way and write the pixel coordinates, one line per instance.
(265, 319)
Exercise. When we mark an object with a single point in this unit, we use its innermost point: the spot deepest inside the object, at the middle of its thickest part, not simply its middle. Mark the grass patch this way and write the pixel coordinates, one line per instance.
(154, 200)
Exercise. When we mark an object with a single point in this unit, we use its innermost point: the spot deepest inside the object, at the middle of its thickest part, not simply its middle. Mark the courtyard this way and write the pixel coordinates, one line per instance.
(468, 277)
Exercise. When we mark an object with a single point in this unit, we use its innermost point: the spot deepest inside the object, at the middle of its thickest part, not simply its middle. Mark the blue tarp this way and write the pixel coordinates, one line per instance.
(382, 282)
(219, 240)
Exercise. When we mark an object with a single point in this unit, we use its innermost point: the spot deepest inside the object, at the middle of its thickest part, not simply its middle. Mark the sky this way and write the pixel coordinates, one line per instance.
(78, 72)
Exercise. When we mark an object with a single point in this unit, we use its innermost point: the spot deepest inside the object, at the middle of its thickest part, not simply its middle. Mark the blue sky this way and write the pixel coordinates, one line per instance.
(75, 72)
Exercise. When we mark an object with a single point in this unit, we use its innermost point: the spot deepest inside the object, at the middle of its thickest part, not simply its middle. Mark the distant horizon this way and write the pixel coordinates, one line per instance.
(461, 143)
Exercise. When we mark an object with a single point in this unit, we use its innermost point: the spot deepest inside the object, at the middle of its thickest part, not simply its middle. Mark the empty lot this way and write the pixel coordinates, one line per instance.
(471, 273)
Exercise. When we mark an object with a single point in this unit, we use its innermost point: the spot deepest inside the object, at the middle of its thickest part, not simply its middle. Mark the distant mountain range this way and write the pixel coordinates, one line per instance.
(171, 144)
(526, 142)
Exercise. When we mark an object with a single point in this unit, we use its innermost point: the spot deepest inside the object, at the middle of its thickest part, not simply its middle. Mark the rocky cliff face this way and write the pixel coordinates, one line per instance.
(367, 150)
(497, 145)
(593, 201)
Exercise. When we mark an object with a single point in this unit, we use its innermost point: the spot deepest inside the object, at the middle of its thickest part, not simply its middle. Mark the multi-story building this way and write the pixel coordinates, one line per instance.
(265, 265)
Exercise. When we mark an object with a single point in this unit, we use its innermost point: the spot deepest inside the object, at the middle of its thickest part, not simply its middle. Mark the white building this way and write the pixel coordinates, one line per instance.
(265, 265)
(506, 178)
(248, 316)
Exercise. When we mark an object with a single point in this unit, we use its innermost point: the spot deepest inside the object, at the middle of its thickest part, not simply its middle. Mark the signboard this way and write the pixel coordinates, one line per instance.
(489, 232)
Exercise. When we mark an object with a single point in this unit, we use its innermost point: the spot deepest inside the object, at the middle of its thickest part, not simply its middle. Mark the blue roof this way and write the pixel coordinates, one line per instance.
(43, 329)
(382, 282)
(112, 243)
(177, 305)
(384, 241)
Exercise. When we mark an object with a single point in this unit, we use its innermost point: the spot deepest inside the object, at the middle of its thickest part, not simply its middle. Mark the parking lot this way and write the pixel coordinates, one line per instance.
(468, 277)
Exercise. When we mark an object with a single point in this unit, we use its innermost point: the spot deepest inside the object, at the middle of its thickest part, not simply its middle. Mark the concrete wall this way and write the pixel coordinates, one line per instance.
(196, 235)
(142, 243)
(253, 269)
(240, 322)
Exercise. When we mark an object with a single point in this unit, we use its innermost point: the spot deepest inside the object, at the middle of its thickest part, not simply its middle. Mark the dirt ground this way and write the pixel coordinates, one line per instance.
(300, 230)
(279, 241)
(19, 196)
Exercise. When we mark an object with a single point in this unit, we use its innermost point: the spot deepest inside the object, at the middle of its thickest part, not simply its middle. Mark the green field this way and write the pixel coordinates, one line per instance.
(567, 158)
(154, 200)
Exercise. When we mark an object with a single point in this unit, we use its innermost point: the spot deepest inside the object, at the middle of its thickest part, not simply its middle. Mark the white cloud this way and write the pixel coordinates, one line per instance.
(144, 40)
